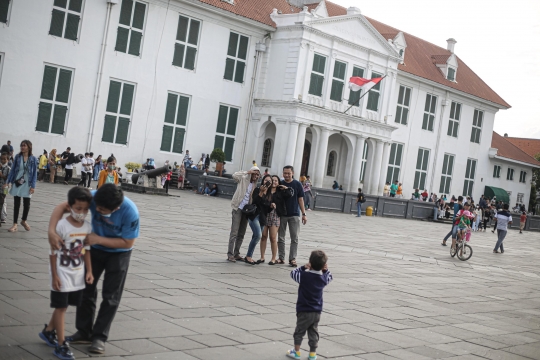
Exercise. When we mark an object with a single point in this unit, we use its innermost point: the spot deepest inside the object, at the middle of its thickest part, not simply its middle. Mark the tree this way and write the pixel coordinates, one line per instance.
(535, 185)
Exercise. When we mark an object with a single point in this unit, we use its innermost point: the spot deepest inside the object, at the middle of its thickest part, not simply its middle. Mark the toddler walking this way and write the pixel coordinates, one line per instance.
(312, 277)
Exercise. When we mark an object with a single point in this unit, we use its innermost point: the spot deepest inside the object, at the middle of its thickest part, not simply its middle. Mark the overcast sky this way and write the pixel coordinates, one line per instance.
(499, 40)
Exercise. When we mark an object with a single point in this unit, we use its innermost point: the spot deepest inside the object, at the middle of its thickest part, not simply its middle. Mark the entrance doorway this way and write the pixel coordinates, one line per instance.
(305, 158)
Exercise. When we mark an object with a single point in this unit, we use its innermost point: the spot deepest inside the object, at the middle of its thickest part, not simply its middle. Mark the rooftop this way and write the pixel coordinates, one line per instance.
(507, 149)
(530, 146)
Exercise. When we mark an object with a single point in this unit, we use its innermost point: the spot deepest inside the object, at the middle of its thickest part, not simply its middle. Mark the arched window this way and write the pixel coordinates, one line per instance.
(330, 170)
(267, 152)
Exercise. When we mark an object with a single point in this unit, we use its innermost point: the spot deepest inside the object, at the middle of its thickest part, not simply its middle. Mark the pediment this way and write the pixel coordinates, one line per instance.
(321, 10)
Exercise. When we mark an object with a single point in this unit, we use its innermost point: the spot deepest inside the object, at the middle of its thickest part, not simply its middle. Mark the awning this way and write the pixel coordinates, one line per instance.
(501, 194)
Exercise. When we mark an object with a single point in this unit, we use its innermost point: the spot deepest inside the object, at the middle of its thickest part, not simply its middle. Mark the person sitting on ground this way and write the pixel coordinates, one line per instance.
(335, 186)
(214, 191)
(204, 190)
(109, 174)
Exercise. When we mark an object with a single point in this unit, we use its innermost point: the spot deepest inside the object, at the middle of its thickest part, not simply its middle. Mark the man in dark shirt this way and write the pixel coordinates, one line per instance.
(453, 232)
(294, 205)
(359, 200)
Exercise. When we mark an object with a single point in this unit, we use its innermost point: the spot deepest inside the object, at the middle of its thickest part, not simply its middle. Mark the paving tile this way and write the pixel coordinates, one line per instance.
(15, 353)
(139, 346)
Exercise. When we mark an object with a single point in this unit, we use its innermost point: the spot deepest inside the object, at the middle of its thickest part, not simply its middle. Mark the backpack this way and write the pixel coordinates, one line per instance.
(362, 199)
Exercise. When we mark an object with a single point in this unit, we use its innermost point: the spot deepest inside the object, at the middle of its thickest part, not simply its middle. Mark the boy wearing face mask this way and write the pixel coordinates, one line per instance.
(109, 175)
(67, 269)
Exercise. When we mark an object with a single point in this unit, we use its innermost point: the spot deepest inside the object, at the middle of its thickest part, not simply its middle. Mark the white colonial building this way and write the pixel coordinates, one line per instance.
(264, 80)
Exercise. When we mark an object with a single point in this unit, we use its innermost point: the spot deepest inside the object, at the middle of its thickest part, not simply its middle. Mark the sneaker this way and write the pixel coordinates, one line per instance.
(293, 354)
(78, 338)
(3, 221)
(314, 357)
(63, 352)
(49, 337)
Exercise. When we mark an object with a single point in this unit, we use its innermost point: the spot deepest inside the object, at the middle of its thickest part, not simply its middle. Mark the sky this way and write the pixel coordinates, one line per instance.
(499, 40)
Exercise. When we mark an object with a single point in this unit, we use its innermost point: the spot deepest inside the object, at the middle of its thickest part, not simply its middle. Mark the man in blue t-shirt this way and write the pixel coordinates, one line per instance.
(294, 205)
(457, 206)
(115, 226)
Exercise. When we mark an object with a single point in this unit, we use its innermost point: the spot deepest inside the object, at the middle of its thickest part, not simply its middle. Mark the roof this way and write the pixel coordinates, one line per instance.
(530, 146)
(510, 151)
(440, 59)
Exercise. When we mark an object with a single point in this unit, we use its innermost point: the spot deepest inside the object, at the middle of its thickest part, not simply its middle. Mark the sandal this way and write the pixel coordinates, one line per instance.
(443, 244)
(249, 262)
(260, 261)
(13, 228)
(239, 258)
(272, 263)
(25, 225)
(292, 263)
(280, 262)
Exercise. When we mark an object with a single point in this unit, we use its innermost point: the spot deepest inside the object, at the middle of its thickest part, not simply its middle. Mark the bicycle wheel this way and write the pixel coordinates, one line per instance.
(466, 254)
(453, 251)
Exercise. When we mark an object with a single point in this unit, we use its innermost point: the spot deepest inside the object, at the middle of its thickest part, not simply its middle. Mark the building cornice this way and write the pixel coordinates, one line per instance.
(502, 158)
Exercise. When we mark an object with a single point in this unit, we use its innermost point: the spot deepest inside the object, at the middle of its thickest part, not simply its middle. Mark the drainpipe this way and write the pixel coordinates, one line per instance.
(444, 103)
(110, 3)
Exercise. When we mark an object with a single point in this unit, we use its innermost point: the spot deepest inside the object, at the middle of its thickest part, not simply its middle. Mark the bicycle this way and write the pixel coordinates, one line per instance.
(463, 250)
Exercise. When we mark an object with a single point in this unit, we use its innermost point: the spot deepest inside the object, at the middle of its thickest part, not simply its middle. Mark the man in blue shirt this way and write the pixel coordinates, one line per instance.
(453, 232)
(115, 226)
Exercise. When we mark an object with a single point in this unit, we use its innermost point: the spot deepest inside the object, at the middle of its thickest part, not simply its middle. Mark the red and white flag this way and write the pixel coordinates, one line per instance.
(357, 83)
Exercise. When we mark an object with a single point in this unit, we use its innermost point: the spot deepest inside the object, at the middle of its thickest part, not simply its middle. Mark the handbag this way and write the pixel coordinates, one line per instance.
(249, 209)
(21, 180)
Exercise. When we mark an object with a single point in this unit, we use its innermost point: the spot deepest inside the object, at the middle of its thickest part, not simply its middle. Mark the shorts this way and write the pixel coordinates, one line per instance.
(272, 219)
(61, 300)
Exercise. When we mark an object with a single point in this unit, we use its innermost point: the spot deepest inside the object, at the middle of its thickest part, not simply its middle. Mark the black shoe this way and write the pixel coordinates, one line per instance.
(78, 338)
(63, 352)
(97, 347)
(49, 337)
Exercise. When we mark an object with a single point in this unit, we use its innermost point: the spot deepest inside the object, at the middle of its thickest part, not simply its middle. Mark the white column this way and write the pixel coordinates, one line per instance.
(357, 163)
(376, 169)
(384, 167)
(299, 153)
(279, 146)
(291, 145)
(321, 158)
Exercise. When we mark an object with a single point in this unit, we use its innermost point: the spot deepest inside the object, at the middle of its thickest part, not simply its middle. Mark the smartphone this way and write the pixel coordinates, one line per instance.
(267, 184)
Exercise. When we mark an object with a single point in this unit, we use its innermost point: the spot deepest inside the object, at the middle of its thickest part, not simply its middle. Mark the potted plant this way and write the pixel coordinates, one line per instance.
(218, 156)
(132, 166)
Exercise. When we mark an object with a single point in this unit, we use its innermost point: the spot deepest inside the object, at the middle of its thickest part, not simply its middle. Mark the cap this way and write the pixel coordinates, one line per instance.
(253, 168)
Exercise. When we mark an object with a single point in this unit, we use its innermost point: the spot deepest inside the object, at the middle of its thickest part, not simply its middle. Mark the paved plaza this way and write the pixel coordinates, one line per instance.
(396, 293)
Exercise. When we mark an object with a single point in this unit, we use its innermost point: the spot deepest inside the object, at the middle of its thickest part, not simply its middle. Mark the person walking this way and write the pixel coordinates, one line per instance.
(360, 199)
(23, 176)
(294, 205)
(503, 218)
(522, 221)
(486, 215)
(52, 165)
(308, 195)
(87, 167)
(167, 181)
(43, 159)
(98, 166)
(457, 206)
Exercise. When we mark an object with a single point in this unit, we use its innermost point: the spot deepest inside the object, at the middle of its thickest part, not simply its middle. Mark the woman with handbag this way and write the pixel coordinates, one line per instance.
(23, 176)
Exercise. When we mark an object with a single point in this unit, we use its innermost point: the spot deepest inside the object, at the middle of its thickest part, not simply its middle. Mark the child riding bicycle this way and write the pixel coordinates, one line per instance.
(463, 222)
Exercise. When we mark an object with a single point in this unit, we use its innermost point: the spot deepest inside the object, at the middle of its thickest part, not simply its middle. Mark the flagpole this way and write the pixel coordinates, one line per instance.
(357, 101)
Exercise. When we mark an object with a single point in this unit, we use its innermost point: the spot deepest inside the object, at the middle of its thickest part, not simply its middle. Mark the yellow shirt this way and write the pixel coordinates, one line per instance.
(43, 160)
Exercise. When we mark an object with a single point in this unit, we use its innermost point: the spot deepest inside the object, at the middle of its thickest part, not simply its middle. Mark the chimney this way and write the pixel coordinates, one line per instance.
(353, 11)
(450, 43)
(505, 134)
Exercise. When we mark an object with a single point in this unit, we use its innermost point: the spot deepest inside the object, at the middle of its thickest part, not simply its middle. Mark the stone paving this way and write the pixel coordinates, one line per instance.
(396, 293)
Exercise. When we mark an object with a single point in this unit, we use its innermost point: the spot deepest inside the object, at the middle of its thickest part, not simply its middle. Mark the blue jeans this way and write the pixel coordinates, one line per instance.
(359, 209)
(213, 193)
(501, 234)
(435, 213)
(257, 233)
(452, 232)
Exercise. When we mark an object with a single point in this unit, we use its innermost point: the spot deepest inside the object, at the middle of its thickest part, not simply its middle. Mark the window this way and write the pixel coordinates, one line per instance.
(374, 93)
(420, 175)
(477, 126)
(404, 100)
(429, 112)
(66, 17)
(510, 174)
(226, 130)
(451, 74)
(470, 171)
(174, 129)
(118, 112)
(446, 177)
(364, 162)
(394, 162)
(330, 169)
(453, 123)
(4, 11)
(354, 96)
(131, 27)
(496, 171)
(54, 100)
(187, 40)
(338, 81)
(522, 176)
(520, 198)
(267, 152)
(235, 65)
(317, 75)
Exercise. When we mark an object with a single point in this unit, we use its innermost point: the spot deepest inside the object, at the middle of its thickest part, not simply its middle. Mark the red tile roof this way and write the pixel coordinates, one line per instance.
(510, 151)
(440, 59)
(530, 146)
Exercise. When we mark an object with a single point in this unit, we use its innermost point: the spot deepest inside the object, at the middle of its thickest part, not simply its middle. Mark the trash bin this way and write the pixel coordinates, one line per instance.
(369, 211)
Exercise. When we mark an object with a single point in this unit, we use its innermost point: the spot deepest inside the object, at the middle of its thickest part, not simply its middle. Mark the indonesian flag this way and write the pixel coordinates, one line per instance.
(357, 83)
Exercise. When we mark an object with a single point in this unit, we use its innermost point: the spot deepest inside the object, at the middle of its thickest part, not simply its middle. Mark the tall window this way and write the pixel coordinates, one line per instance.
(364, 162)
(355, 95)
(451, 74)
(174, 129)
(131, 27)
(520, 198)
(477, 126)
(66, 17)
(394, 162)
(522, 176)
(429, 112)
(453, 123)
(226, 130)
(374, 94)
(54, 99)
(187, 41)
(267, 152)
(510, 174)
(446, 177)
(420, 175)
(317, 75)
(496, 171)
(4, 11)
(338, 81)
(331, 167)
(470, 171)
(235, 64)
(118, 112)
(404, 100)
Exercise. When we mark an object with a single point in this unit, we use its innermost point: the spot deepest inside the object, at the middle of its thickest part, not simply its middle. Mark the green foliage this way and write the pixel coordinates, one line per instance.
(535, 186)
(132, 166)
(217, 156)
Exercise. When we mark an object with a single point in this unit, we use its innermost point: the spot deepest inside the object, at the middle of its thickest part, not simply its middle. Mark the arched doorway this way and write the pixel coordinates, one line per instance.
(305, 158)
(267, 153)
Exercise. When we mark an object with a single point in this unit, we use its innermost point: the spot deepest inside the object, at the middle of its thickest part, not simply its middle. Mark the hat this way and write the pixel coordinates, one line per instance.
(253, 168)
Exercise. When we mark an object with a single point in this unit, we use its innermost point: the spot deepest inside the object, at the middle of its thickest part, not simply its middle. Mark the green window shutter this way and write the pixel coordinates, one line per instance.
(75, 5)
(233, 119)
(391, 160)
(125, 12)
(359, 72)
(373, 101)
(445, 164)
(233, 44)
(72, 27)
(229, 69)
(166, 138)
(170, 111)
(57, 22)
(183, 106)
(229, 147)
(419, 159)
(398, 114)
(191, 52)
(218, 142)
(181, 32)
(243, 48)
(319, 63)
(135, 43)
(122, 131)
(456, 127)
(407, 96)
(239, 75)
(222, 119)
(399, 151)
(316, 84)
(114, 96)
(138, 16)
(425, 121)
(178, 143)
(4, 8)
(178, 57)
(453, 110)
(122, 39)
(401, 95)
(108, 128)
(450, 128)
(495, 171)
(337, 91)
(64, 83)
(426, 160)
(44, 117)
(60, 3)
(441, 186)
(59, 119)
(193, 38)
(428, 100)
(416, 179)
(404, 116)
(339, 70)
(473, 135)
(49, 81)
(127, 99)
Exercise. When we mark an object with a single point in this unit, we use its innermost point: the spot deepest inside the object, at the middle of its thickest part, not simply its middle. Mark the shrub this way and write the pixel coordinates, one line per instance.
(217, 156)
(132, 166)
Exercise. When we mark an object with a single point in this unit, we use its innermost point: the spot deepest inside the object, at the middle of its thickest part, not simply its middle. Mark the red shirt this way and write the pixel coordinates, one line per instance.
(523, 218)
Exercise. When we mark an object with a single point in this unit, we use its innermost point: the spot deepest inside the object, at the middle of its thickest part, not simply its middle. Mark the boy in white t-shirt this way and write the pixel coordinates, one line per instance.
(67, 270)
